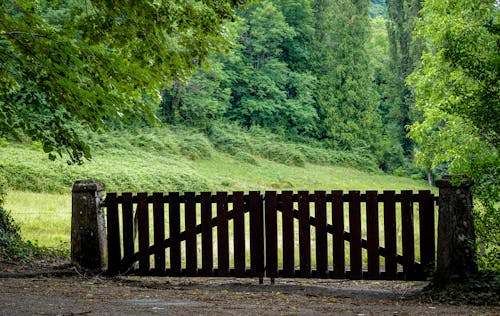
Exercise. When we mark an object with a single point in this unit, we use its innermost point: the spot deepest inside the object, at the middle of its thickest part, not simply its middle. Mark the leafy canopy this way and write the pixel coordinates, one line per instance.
(457, 90)
(67, 63)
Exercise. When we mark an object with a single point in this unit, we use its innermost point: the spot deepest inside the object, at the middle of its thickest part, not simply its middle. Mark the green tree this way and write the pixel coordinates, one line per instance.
(457, 90)
(405, 53)
(205, 97)
(66, 63)
(346, 99)
(297, 50)
(380, 63)
(265, 91)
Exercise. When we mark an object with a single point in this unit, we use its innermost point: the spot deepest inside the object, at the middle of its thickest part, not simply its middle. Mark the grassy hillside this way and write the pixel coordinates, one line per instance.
(163, 159)
(182, 160)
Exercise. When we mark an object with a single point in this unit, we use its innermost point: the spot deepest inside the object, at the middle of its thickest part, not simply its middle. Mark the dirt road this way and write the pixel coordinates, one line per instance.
(77, 295)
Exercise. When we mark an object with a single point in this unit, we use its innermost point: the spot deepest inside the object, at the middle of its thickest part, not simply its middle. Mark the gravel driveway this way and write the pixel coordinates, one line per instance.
(78, 295)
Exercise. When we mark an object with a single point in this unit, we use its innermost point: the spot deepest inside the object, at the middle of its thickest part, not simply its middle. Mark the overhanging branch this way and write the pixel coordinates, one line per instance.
(15, 33)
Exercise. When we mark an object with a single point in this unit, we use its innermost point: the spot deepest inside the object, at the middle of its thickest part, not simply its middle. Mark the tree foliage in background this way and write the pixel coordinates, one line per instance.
(457, 90)
(405, 53)
(204, 98)
(265, 91)
(345, 95)
(66, 63)
(297, 68)
(391, 149)
(255, 83)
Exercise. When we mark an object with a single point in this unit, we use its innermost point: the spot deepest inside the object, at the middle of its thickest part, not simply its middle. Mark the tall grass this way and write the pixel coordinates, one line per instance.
(44, 218)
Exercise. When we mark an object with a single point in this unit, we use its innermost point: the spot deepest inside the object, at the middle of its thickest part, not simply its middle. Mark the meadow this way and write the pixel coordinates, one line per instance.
(39, 190)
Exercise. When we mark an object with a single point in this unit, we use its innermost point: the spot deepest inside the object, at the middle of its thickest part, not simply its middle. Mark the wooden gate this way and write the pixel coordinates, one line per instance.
(322, 234)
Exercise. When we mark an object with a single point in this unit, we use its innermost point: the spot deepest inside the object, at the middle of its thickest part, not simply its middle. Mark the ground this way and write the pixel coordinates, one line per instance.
(61, 290)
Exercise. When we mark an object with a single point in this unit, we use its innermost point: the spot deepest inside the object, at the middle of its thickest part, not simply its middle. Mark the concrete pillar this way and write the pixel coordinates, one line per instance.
(88, 233)
(456, 253)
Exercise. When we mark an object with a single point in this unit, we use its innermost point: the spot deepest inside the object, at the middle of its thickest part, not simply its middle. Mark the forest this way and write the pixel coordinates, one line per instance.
(404, 87)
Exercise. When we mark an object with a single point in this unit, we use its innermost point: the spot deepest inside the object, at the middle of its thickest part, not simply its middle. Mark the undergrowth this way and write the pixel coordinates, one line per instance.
(257, 142)
(482, 289)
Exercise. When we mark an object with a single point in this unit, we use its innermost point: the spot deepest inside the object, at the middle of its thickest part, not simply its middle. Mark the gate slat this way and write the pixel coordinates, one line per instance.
(239, 234)
(372, 234)
(304, 235)
(256, 234)
(128, 229)
(391, 264)
(271, 206)
(264, 248)
(427, 232)
(191, 244)
(338, 234)
(355, 230)
(288, 234)
(408, 234)
(207, 256)
(159, 232)
(222, 235)
(114, 252)
(174, 222)
(143, 229)
(321, 235)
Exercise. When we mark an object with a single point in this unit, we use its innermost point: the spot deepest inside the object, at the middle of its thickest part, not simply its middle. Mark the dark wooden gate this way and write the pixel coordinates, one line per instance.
(321, 234)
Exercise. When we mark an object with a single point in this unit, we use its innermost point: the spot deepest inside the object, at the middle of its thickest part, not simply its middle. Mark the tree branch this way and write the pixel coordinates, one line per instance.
(14, 33)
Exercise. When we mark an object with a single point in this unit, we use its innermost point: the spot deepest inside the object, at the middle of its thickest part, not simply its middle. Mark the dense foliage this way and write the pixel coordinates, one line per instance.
(457, 91)
(300, 69)
(65, 63)
(405, 54)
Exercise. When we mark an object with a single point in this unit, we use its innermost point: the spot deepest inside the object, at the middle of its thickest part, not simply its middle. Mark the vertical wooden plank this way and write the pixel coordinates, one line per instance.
(159, 233)
(407, 227)
(372, 234)
(256, 234)
(113, 225)
(427, 232)
(191, 244)
(390, 240)
(174, 222)
(271, 233)
(355, 230)
(143, 226)
(239, 234)
(222, 235)
(338, 234)
(304, 235)
(128, 227)
(321, 236)
(207, 256)
(288, 234)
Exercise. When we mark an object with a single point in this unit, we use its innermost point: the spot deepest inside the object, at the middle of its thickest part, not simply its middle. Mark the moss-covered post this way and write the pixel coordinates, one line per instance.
(456, 249)
(88, 233)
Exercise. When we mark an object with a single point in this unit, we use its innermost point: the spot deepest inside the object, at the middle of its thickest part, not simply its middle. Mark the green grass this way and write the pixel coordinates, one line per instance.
(44, 218)
(175, 160)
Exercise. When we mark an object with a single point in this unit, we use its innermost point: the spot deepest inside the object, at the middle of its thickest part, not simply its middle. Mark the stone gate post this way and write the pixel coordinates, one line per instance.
(456, 249)
(88, 233)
